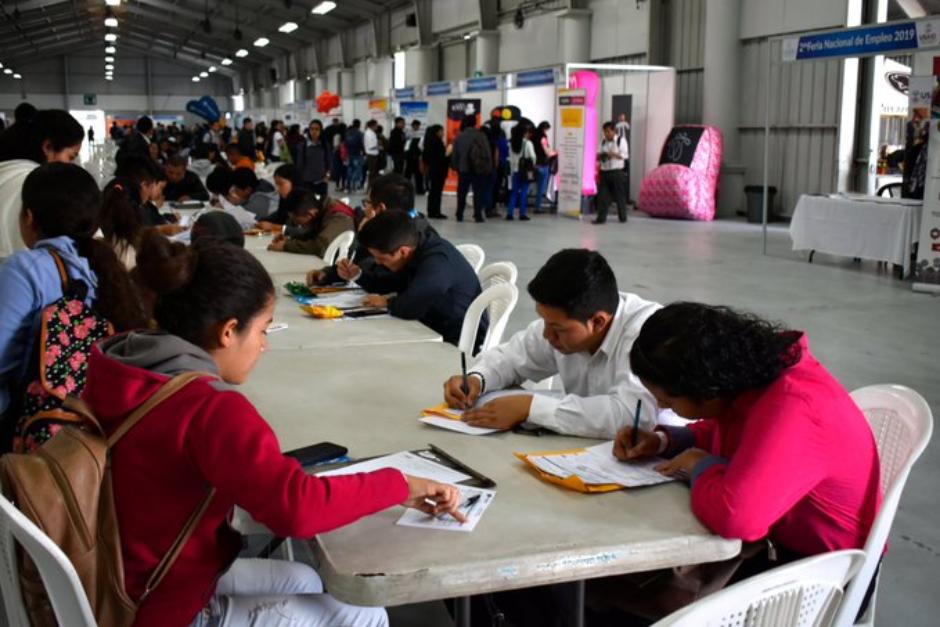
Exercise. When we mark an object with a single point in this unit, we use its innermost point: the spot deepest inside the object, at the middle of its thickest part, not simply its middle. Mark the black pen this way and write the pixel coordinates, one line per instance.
(465, 386)
(470, 502)
(636, 423)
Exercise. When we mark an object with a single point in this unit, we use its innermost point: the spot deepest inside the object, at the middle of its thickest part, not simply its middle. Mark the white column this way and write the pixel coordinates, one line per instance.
(421, 65)
(721, 95)
(574, 36)
(486, 59)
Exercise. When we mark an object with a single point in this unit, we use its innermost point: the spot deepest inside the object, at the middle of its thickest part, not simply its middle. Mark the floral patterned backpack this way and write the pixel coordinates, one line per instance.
(68, 330)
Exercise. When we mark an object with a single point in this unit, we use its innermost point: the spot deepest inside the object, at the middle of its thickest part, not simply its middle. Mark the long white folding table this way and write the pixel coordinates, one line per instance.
(304, 332)
(368, 398)
(863, 227)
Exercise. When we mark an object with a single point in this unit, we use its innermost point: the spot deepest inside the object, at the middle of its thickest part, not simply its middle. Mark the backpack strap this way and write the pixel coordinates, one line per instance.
(63, 273)
(169, 388)
(177, 547)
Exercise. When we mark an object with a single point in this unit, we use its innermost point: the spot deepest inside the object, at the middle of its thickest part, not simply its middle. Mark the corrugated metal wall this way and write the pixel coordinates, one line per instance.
(686, 50)
(804, 116)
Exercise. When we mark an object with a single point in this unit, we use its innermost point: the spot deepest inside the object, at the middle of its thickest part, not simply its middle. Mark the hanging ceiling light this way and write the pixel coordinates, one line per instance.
(110, 50)
(111, 22)
(261, 42)
(109, 78)
(7, 71)
(17, 76)
(203, 75)
(110, 37)
(113, 3)
(109, 67)
(196, 79)
(288, 27)
(241, 53)
(323, 8)
(212, 68)
(109, 59)
(226, 61)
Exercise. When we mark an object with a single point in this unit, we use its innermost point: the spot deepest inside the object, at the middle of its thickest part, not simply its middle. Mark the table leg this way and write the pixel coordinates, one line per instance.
(578, 619)
(462, 607)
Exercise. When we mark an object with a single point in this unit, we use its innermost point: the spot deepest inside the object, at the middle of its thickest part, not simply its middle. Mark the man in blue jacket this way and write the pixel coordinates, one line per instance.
(431, 281)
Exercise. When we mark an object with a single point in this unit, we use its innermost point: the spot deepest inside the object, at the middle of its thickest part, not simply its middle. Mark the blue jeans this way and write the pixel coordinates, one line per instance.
(519, 195)
(355, 177)
(544, 176)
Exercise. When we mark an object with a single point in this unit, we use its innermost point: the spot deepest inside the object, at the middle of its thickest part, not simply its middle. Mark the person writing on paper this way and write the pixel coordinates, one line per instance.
(431, 281)
(584, 333)
(214, 303)
(182, 184)
(779, 450)
(390, 192)
(315, 222)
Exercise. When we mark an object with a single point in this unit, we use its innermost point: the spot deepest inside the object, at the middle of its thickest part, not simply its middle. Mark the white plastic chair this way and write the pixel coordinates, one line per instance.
(498, 272)
(65, 590)
(499, 301)
(339, 247)
(901, 422)
(474, 254)
(802, 594)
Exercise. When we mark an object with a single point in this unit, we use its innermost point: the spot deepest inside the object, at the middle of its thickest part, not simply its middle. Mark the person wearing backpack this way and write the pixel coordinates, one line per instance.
(522, 166)
(213, 307)
(474, 163)
(59, 219)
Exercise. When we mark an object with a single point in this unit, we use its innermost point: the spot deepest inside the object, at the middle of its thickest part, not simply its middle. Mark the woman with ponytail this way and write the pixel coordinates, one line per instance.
(126, 209)
(52, 136)
(60, 213)
(214, 303)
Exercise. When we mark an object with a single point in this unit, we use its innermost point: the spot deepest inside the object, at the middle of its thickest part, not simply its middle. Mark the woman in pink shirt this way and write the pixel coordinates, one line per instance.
(778, 450)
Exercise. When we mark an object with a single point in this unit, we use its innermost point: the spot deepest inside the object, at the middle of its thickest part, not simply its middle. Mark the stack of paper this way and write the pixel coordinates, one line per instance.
(598, 466)
(451, 418)
(474, 502)
(408, 463)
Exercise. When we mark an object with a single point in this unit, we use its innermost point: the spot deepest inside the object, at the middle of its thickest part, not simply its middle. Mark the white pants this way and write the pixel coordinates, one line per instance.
(277, 593)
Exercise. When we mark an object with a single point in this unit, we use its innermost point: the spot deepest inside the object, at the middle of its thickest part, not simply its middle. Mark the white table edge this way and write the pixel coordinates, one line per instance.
(463, 579)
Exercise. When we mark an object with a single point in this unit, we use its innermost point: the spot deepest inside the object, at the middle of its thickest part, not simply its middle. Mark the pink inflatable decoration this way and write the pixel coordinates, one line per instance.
(591, 84)
(685, 184)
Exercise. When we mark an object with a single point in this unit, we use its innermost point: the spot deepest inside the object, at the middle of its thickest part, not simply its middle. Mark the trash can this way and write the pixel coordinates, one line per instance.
(755, 203)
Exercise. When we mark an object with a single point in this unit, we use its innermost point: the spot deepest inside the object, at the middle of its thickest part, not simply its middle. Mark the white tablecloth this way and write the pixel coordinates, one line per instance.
(879, 229)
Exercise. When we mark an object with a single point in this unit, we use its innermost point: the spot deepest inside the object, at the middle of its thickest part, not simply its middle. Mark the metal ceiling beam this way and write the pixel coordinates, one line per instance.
(326, 24)
(32, 5)
(144, 42)
(173, 42)
(253, 28)
(162, 24)
(194, 64)
(25, 59)
(164, 21)
(36, 43)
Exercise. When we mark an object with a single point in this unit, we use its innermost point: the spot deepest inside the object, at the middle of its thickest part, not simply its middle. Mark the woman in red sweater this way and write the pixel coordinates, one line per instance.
(778, 452)
(214, 304)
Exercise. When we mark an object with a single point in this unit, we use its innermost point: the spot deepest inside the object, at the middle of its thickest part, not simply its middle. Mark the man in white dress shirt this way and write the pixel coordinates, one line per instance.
(584, 335)
(614, 156)
(372, 149)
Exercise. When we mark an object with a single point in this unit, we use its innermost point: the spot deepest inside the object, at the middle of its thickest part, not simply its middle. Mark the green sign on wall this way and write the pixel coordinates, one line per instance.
(90, 99)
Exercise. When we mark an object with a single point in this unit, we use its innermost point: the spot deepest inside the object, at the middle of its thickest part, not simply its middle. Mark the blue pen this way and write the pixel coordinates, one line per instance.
(636, 423)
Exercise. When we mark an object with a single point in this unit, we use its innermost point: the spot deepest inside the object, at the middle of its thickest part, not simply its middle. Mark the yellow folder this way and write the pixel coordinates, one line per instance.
(443, 411)
(573, 482)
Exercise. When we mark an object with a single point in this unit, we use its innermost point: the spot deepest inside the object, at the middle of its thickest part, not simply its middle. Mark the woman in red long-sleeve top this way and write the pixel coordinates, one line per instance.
(214, 304)
(779, 450)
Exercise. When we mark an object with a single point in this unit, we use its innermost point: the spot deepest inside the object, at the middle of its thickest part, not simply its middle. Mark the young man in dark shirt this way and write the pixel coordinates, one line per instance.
(181, 183)
(391, 192)
(431, 280)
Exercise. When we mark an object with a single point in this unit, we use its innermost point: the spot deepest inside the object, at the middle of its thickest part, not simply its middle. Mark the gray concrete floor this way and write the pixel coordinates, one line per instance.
(866, 327)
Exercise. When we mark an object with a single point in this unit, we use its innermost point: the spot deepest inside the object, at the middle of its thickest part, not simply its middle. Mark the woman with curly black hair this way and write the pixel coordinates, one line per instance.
(779, 449)
(778, 452)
